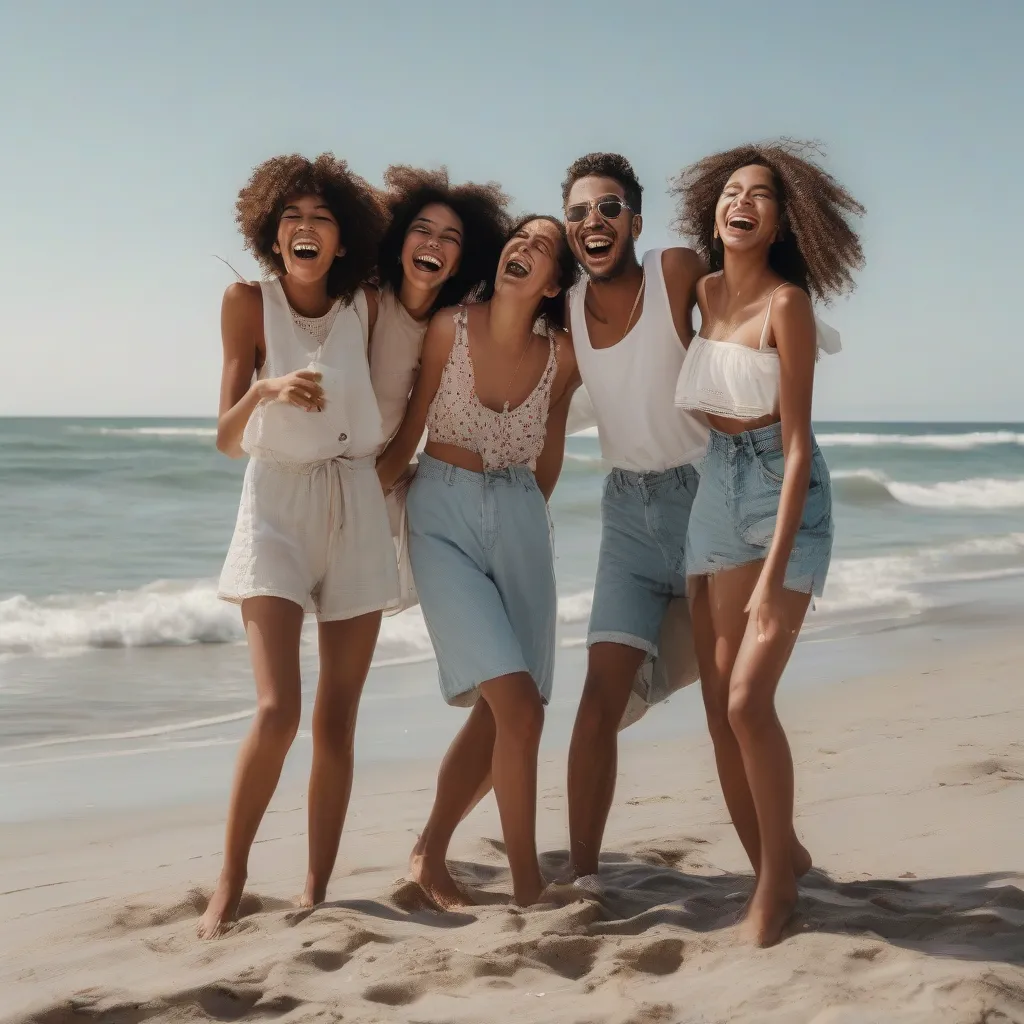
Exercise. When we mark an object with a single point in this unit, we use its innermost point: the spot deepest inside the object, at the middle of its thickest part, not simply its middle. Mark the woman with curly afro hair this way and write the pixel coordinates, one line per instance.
(441, 246)
(493, 394)
(312, 529)
(773, 226)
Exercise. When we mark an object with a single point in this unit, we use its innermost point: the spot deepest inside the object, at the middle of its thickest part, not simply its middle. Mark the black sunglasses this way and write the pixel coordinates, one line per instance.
(609, 208)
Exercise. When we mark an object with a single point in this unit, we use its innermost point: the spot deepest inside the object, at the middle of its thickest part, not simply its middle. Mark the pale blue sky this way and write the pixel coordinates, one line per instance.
(127, 128)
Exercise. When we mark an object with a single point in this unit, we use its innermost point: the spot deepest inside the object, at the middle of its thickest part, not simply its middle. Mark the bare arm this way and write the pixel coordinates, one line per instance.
(549, 462)
(794, 334)
(241, 326)
(683, 268)
(437, 346)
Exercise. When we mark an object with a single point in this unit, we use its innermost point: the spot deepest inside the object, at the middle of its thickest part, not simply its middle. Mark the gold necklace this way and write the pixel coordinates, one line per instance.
(636, 301)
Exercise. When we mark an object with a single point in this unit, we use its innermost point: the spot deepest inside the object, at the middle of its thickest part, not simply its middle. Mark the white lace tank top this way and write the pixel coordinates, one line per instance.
(728, 378)
(335, 345)
(512, 437)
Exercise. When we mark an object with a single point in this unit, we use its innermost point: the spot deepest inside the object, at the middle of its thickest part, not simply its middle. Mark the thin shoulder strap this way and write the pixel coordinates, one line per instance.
(461, 318)
(767, 317)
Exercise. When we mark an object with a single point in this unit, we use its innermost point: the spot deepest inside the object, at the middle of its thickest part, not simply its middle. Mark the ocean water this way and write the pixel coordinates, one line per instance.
(113, 645)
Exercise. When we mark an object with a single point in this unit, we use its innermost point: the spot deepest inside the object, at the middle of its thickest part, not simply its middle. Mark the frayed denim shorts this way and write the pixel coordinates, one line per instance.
(737, 506)
(644, 518)
(482, 561)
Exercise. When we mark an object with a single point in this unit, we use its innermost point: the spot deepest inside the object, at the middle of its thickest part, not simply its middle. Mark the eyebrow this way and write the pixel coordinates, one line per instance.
(428, 220)
(763, 184)
(319, 206)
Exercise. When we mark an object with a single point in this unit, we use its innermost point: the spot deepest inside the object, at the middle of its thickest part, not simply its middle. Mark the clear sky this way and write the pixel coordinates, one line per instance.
(127, 128)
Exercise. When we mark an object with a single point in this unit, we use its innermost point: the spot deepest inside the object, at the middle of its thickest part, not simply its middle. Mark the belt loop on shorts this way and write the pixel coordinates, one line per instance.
(449, 474)
(645, 493)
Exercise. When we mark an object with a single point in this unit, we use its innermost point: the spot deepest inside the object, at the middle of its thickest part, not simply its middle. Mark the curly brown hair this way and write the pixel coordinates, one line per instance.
(605, 165)
(356, 206)
(485, 223)
(817, 249)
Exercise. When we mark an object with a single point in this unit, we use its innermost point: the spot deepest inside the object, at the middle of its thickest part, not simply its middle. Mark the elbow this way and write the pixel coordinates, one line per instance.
(228, 445)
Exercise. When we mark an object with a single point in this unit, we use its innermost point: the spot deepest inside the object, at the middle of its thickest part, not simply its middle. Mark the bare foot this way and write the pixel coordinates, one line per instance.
(802, 862)
(222, 908)
(535, 892)
(433, 877)
(314, 893)
(769, 913)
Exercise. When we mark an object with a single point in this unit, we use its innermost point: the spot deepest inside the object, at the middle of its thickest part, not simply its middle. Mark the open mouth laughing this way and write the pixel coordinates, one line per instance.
(427, 262)
(305, 249)
(517, 266)
(742, 223)
(597, 246)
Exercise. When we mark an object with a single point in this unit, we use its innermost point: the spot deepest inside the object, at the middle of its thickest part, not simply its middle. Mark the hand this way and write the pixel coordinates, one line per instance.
(765, 607)
(301, 389)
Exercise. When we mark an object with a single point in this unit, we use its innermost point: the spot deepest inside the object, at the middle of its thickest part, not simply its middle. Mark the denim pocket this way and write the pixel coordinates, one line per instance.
(772, 466)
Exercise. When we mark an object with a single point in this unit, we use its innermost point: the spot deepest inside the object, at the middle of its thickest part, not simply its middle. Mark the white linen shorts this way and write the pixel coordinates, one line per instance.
(316, 534)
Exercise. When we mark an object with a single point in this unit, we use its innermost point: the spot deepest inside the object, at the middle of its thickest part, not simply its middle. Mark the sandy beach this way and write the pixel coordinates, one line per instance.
(910, 796)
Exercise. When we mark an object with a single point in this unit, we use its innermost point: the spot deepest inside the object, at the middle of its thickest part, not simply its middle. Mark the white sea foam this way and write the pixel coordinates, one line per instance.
(203, 432)
(171, 614)
(979, 493)
(161, 614)
(950, 442)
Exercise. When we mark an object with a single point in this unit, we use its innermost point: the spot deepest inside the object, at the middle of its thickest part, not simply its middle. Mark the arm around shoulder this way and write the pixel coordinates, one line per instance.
(682, 268)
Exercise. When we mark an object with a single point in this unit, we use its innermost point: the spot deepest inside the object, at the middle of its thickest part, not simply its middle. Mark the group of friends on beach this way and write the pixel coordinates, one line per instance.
(426, 308)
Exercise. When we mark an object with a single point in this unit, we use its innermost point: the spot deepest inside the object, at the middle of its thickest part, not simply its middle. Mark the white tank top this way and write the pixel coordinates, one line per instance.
(350, 424)
(728, 378)
(395, 353)
(632, 384)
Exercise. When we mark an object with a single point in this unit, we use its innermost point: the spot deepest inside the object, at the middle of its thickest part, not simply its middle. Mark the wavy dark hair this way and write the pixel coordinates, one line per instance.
(485, 225)
(356, 206)
(605, 165)
(553, 308)
(817, 249)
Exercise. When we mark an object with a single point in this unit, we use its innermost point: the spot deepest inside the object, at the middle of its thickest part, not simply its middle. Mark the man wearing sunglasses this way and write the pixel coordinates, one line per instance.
(631, 322)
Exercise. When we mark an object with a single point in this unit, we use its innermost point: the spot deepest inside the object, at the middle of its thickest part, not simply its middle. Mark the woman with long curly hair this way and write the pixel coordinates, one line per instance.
(493, 393)
(441, 247)
(312, 529)
(774, 228)
(442, 244)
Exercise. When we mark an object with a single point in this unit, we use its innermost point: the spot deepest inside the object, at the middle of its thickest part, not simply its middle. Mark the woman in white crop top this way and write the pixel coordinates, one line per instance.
(493, 393)
(773, 227)
(312, 529)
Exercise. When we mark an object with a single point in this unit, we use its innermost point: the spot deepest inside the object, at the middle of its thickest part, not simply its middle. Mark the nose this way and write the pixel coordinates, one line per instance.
(593, 219)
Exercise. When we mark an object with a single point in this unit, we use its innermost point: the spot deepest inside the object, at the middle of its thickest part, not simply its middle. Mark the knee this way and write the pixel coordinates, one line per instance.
(277, 720)
(523, 720)
(601, 705)
(334, 722)
(716, 708)
(749, 711)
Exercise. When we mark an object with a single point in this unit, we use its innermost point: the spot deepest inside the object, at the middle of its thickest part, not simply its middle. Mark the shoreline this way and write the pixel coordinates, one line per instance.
(908, 918)
(178, 764)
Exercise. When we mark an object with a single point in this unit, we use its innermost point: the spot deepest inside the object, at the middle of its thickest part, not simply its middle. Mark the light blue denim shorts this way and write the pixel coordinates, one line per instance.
(737, 507)
(644, 519)
(480, 547)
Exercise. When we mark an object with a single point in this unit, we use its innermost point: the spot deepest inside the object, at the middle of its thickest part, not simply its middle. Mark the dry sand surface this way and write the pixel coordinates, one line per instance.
(910, 796)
